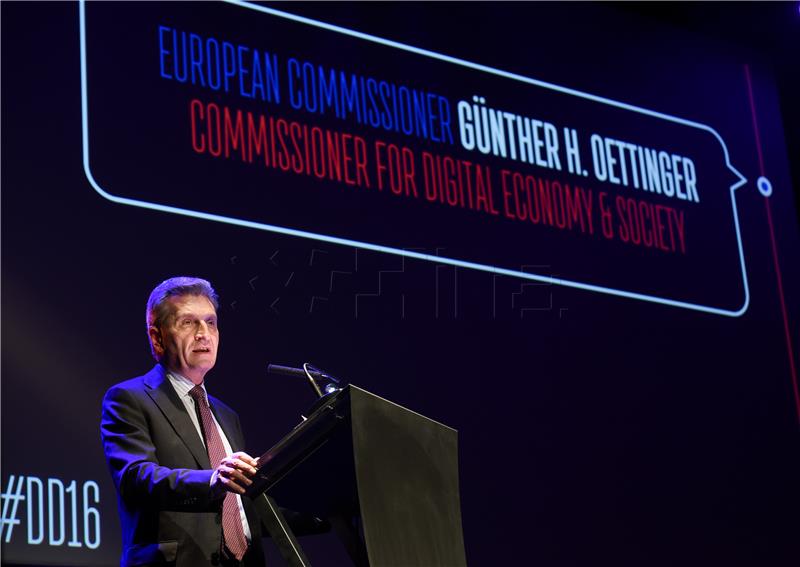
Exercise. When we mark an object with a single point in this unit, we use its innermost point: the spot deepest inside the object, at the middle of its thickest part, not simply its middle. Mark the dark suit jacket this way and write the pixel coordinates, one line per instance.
(162, 474)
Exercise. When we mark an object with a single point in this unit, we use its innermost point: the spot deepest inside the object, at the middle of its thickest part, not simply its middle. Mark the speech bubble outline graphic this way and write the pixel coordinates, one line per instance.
(741, 180)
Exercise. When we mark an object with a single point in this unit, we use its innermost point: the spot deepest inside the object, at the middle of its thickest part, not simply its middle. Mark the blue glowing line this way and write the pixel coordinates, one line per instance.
(409, 253)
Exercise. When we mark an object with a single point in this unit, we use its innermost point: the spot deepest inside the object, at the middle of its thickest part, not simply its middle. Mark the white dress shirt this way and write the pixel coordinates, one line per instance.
(182, 386)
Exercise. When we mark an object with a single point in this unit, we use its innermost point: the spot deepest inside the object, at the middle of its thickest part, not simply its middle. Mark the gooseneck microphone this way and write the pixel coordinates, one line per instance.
(312, 374)
(316, 373)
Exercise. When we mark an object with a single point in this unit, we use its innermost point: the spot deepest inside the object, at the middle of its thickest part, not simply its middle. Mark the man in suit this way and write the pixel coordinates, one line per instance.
(174, 452)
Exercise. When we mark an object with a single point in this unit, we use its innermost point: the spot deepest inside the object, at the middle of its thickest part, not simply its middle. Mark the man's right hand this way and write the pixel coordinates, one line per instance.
(233, 474)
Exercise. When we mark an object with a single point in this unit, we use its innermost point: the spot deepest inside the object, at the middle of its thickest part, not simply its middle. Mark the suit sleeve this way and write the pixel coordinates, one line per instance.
(131, 457)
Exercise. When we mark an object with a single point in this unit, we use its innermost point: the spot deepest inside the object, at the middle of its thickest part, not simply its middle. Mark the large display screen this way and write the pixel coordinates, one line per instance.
(566, 231)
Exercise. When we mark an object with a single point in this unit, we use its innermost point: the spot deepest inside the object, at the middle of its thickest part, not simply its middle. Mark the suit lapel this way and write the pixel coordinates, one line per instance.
(165, 397)
(225, 422)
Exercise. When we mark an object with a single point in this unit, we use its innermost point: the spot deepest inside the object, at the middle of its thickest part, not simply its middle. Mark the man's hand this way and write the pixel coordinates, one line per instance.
(233, 474)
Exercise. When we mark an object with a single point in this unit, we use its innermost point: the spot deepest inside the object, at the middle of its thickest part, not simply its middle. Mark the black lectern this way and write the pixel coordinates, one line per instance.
(385, 477)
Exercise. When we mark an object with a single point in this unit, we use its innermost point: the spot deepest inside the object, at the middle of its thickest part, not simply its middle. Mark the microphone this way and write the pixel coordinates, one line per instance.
(311, 373)
(316, 373)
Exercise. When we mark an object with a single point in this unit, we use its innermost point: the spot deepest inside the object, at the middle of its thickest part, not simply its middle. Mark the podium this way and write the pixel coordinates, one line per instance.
(385, 477)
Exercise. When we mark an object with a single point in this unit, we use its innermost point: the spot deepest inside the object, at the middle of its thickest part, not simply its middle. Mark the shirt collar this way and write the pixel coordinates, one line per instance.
(182, 384)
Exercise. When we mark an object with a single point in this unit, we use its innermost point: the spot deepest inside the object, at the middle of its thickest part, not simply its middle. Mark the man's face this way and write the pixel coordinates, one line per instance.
(189, 337)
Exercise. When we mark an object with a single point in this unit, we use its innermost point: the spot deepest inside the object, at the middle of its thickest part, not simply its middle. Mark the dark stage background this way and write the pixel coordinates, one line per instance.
(644, 414)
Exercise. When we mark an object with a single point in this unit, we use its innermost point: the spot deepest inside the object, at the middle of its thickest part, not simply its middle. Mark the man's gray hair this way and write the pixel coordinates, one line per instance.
(157, 308)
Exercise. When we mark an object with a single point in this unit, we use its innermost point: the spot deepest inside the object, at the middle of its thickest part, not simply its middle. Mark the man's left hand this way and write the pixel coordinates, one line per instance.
(233, 474)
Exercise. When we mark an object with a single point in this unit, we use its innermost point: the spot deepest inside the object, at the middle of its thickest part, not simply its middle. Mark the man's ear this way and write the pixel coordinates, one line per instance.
(156, 341)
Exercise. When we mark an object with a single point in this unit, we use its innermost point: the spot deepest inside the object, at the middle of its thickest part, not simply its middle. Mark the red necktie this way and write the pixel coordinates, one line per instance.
(232, 529)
